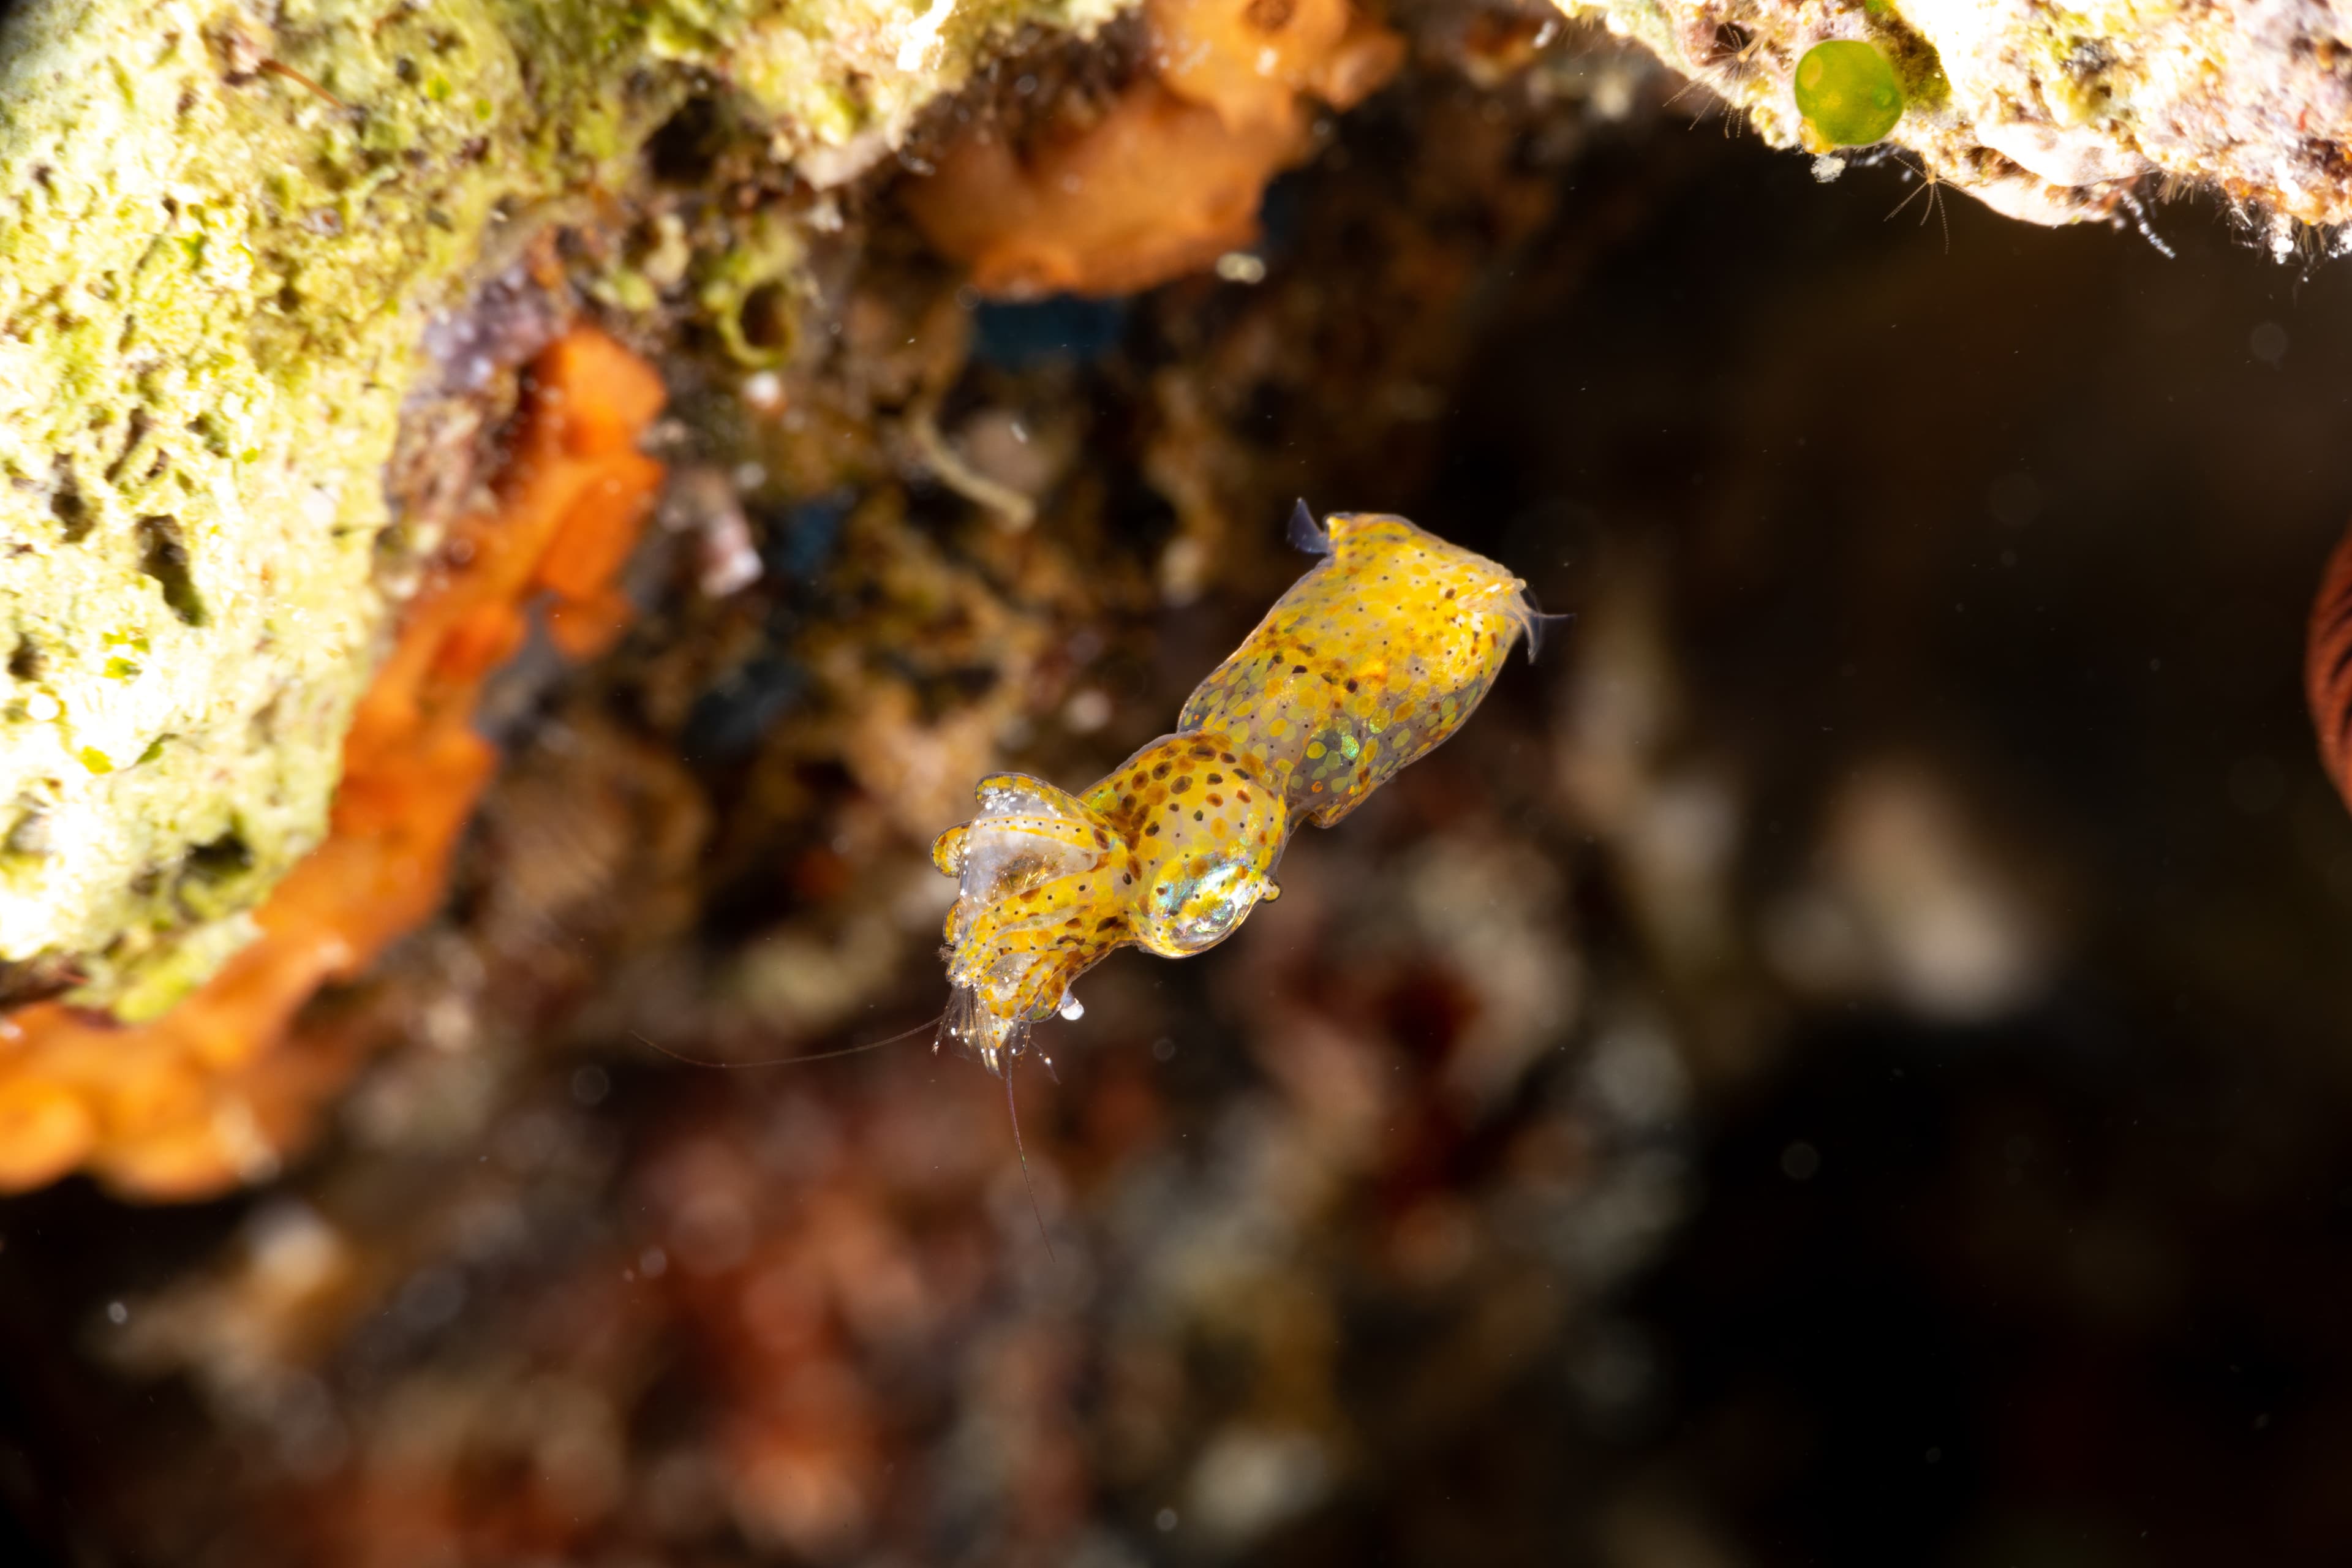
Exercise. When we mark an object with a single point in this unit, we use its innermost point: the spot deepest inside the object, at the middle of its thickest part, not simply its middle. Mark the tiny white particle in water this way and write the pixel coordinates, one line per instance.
(1241, 267)
(1166, 1520)
(1089, 710)
(41, 707)
(1800, 1161)
(116, 1312)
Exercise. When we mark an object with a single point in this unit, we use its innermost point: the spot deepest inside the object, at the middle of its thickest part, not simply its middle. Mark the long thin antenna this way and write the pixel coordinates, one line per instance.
(1013, 1110)
(1932, 184)
(787, 1061)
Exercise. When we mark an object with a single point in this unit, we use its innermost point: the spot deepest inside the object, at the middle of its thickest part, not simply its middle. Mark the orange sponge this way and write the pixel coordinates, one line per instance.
(202, 1098)
(1168, 175)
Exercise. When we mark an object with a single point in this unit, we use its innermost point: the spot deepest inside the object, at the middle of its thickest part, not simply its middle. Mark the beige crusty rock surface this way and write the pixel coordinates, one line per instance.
(2061, 113)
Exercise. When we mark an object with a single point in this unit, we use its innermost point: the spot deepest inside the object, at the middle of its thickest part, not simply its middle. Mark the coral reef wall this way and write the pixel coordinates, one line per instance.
(224, 233)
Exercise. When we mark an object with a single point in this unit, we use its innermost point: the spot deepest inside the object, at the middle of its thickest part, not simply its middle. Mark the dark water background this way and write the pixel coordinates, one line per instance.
(2047, 509)
(2043, 1263)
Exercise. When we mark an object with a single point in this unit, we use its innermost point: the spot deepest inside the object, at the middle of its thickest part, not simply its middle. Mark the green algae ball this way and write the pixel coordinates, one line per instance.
(1847, 92)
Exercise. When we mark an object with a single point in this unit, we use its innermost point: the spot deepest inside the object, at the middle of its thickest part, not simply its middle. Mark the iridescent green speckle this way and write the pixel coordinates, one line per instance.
(1847, 92)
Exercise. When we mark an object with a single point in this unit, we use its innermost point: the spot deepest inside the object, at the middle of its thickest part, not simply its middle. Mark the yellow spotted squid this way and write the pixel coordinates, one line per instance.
(1372, 658)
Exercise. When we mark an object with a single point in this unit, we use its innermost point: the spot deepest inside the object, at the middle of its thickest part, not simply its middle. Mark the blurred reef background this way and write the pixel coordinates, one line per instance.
(1845, 1061)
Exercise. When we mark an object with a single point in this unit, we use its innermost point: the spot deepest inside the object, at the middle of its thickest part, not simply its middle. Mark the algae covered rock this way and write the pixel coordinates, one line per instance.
(224, 231)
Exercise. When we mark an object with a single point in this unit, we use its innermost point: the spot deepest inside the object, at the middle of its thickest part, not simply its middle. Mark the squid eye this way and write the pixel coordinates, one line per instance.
(1847, 92)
